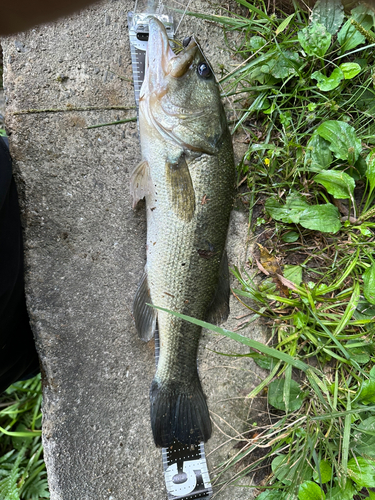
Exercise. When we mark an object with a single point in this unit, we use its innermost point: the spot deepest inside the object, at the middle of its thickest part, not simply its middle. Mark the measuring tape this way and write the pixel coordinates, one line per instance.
(185, 467)
(138, 35)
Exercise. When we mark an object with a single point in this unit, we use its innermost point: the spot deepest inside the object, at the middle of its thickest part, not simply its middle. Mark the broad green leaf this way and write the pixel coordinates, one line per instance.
(289, 212)
(282, 64)
(364, 230)
(330, 13)
(362, 471)
(288, 472)
(318, 155)
(257, 42)
(360, 167)
(300, 319)
(276, 395)
(342, 138)
(290, 237)
(350, 70)
(315, 40)
(324, 218)
(347, 493)
(364, 310)
(327, 83)
(310, 491)
(293, 274)
(363, 438)
(369, 284)
(366, 394)
(349, 37)
(339, 184)
(371, 495)
(362, 353)
(370, 172)
(325, 472)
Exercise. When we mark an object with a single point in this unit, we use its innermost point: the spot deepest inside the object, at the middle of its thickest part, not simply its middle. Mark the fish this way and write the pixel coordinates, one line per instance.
(187, 177)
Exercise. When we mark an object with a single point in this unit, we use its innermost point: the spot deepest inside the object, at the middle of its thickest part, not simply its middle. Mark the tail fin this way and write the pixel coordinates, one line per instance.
(179, 413)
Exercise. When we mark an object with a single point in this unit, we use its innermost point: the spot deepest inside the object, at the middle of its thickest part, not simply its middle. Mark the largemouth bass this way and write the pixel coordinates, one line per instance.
(187, 178)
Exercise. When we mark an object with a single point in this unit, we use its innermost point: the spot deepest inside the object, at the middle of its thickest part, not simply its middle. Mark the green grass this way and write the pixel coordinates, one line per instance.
(304, 99)
(22, 470)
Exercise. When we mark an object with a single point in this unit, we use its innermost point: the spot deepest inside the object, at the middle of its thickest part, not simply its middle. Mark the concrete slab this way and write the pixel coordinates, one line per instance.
(85, 251)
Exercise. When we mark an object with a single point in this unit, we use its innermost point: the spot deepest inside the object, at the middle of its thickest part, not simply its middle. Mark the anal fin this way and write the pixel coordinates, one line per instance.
(219, 308)
(144, 315)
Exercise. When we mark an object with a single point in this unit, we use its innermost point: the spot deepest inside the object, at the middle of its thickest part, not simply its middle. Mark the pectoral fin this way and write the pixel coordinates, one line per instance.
(140, 182)
(219, 308)
(144, 315)
(181, 193)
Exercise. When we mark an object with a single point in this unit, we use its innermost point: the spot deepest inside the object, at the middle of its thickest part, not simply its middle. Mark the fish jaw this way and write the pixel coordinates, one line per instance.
(161, 61)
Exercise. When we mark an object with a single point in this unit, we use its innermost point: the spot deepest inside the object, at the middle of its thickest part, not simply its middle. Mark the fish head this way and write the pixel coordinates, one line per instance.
(180, 97)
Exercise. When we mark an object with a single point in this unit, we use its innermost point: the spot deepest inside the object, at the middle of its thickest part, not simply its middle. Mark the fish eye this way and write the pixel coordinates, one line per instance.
(204, 70)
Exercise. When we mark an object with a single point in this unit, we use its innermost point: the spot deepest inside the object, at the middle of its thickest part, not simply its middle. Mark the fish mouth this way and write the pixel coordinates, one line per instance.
(161, 60)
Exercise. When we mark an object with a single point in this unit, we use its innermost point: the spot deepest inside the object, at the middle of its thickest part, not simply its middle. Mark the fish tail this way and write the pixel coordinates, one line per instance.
(179, 413)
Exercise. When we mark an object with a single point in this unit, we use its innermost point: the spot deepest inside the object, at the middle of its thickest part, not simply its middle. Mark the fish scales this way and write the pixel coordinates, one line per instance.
(187, 179)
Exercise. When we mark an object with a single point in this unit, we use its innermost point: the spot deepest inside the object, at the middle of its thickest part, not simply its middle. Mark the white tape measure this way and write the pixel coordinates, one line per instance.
(138, 35)
(185, 471)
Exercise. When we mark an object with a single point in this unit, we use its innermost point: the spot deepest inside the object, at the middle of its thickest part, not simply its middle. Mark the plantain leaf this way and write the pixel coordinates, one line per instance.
(350, 70)
(363, 440)
(315, 39)
(295, 203)
(342, 138)
(343, 494)
(293, 274)
(349, 37)
(362, 471)
(330, 13)
(290, 237)
(309, 490)
(324, 218)
(327, 83)
(318, 155)
(325, 472)
(339, 184)
(366, 394)
(276, 395)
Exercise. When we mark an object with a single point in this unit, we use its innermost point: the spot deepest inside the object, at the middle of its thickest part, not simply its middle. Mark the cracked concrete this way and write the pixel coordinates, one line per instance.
(85, 252)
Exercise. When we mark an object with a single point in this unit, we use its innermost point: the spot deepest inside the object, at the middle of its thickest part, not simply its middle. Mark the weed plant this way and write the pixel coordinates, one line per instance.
(22, 470)
(305, 97)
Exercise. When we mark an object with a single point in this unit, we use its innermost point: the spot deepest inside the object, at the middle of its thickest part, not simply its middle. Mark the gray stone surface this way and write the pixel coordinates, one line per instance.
(85, 251)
